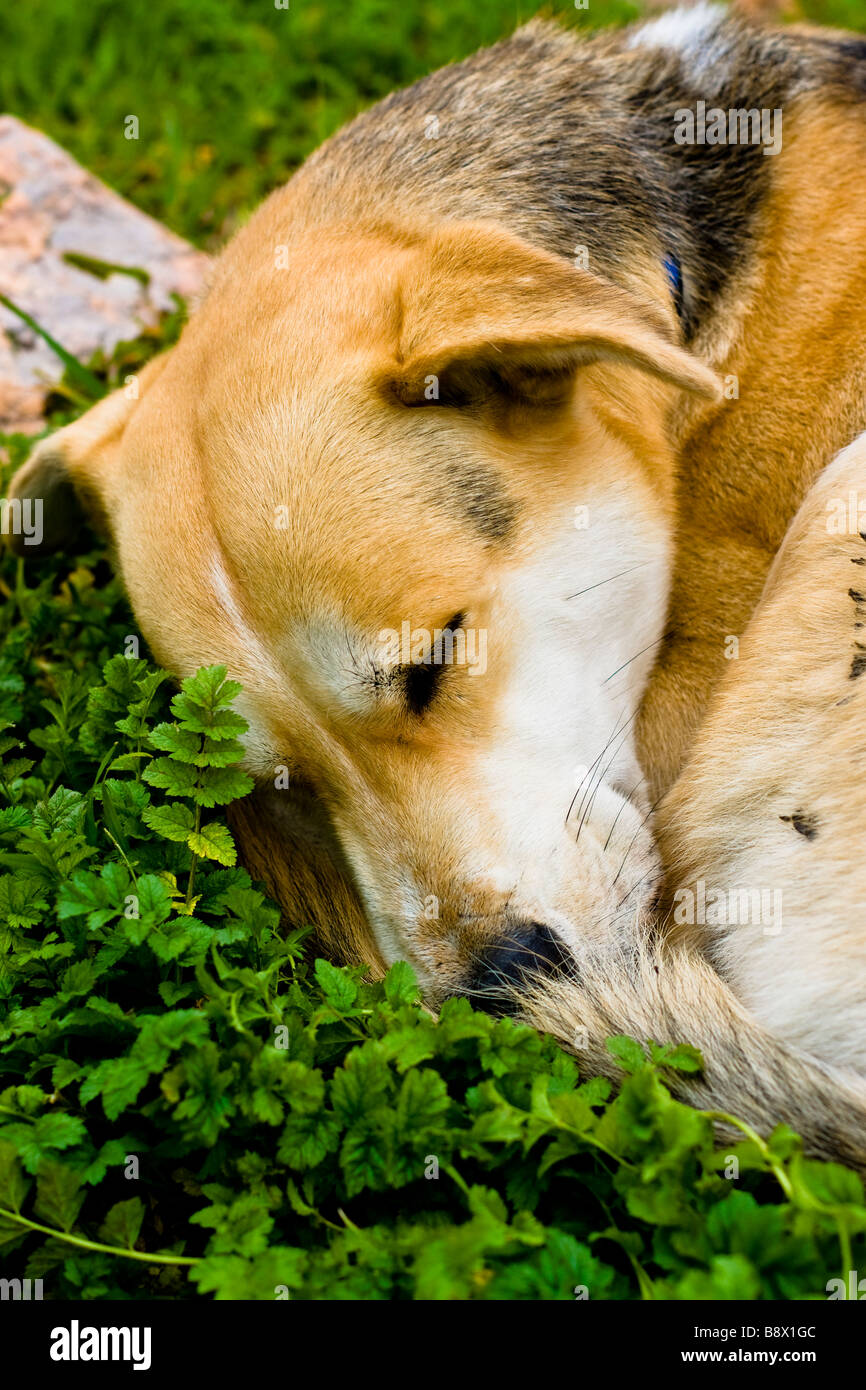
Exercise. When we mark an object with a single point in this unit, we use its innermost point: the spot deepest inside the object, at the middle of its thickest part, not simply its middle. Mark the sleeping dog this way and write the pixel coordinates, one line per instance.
(498, 465)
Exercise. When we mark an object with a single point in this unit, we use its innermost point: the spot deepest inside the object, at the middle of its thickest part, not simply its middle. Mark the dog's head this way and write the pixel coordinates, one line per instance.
(413, 488)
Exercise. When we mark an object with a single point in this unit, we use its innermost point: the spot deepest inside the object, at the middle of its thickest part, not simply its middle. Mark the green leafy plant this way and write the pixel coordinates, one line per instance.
(203, 752)
(191, 1107)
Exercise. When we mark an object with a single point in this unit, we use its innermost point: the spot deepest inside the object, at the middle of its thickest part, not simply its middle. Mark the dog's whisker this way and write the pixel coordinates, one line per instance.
(627, 802)
(587, 774)
(589, 771)
(594, 792)
(654, 643)
(609, 580)
(634, 839)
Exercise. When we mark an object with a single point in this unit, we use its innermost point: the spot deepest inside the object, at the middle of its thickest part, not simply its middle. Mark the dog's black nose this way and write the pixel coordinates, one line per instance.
(529, 950)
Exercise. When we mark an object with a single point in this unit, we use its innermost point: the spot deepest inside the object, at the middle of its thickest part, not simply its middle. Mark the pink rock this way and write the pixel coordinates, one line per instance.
(50, 207)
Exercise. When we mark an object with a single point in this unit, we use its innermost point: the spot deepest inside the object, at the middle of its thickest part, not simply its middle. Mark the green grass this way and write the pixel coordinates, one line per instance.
(230, 94)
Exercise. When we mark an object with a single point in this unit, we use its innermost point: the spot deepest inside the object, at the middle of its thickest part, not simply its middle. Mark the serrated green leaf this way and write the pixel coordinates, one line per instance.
(14, 1186)
(336, 985)
(627, 1052)
(174, 821)
(214, 841)
(59, 1195)
(123, 1223)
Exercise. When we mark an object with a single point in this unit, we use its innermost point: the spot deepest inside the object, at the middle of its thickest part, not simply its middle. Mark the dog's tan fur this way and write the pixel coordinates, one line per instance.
(280, 493)
(791, 333)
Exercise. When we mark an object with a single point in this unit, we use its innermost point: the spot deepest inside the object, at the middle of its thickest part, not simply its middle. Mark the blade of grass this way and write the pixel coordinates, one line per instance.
(78, 374)
(102, 269)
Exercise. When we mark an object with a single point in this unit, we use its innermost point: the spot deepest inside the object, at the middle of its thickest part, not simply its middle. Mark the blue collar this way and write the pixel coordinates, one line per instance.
(675, 280)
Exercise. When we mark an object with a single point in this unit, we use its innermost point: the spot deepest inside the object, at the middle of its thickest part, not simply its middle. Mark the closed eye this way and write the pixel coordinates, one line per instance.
(421, 679)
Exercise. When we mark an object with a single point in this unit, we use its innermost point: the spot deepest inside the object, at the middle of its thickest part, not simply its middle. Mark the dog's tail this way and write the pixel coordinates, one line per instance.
(669, 993)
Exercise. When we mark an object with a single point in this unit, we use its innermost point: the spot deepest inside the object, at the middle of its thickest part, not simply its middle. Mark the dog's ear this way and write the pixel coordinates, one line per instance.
(483, 313)
(67, 479)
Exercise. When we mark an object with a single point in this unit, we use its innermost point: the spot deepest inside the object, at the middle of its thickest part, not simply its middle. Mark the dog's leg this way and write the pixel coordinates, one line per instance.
(764, 830)
(762, 838)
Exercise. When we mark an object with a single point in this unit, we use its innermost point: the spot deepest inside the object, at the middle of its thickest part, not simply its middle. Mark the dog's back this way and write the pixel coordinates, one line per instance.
(569, 142)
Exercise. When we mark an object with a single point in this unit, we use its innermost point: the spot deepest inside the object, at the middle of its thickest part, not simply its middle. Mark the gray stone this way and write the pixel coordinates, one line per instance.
(49, 207)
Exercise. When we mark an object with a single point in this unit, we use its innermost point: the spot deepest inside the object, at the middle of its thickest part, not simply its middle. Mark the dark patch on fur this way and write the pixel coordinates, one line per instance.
(846, 61)
(569, 142)
(473, 493)
(853, 50)
(803, 824)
